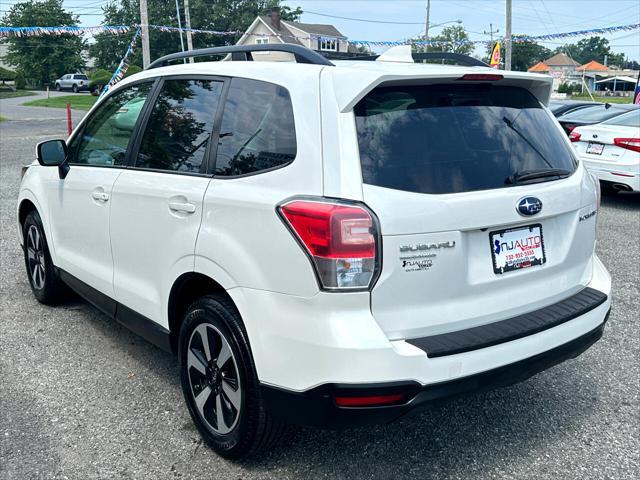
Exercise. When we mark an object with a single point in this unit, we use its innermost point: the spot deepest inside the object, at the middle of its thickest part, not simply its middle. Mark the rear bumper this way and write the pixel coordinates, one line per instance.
(628, 174)
(316, 407)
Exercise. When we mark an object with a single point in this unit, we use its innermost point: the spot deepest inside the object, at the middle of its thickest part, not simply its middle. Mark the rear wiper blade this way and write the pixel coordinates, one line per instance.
(527, 175)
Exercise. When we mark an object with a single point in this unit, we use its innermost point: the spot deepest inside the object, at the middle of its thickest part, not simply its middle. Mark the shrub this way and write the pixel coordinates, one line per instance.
(133, 69)
(19, 81)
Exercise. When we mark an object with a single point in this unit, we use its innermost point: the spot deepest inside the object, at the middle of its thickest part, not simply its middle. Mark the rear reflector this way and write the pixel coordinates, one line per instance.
(370, 401)
(340, 239)
(628, 143)
(623, 174)
(481, 77)
(574, 136)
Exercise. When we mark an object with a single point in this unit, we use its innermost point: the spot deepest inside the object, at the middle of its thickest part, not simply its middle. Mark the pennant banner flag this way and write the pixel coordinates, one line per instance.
(124, 64)
(54, 31)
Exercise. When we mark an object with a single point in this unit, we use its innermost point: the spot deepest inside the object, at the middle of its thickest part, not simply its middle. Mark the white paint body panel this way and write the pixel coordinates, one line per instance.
(133, 248)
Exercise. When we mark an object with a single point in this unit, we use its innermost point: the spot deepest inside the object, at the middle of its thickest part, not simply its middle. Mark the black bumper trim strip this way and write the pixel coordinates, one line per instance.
(511, 329)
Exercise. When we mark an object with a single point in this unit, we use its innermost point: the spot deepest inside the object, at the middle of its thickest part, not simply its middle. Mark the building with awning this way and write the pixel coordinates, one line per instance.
(618, 83)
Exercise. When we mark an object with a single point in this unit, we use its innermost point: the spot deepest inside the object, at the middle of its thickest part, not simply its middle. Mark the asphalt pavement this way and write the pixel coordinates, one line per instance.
(83, 398)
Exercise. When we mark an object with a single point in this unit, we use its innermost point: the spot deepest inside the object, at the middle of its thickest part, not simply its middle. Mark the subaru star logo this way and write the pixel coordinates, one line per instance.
(528, 206)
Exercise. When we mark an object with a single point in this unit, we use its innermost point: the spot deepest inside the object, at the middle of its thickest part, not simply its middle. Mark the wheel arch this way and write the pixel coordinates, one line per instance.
(185, 290)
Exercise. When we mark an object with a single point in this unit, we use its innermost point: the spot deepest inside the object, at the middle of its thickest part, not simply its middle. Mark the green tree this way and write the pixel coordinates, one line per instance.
(43, 58)
(592, 48)
(222, 15)
(450, 39)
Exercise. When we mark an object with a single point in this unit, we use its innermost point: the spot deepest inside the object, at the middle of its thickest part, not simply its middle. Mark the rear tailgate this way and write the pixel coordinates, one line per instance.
(456, 251)
(597, 143)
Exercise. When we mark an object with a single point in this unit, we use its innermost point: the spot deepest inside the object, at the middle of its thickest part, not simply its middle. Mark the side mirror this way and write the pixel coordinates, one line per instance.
(53, 153)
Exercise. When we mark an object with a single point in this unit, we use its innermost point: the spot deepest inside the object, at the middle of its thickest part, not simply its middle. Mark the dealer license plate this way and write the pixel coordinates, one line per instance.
(595, 148)
(517, 248)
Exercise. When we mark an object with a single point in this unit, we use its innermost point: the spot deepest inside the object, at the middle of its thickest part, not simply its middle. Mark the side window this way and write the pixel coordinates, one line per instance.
(180, 125)
(105, 137)
(257, 131)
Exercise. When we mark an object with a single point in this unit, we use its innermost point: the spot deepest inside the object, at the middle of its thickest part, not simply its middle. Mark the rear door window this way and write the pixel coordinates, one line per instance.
(455, 138)
(179, 129)
(257, 131)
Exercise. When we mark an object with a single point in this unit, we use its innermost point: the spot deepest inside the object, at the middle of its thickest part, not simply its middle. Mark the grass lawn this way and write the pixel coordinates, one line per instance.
(17, 93)
(2, 119)
(603, 99)
(79, 102)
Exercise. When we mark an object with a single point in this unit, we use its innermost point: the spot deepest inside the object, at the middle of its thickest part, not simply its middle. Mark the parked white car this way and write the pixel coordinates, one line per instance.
(323, 244)
(611, 151)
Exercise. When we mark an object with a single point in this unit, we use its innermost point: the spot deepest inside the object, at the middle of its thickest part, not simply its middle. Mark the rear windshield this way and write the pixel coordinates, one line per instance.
(80, 77)
(592, 114)
(631, 119)
(455, 138)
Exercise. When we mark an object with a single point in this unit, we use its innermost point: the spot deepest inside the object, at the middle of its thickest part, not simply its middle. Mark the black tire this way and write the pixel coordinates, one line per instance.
(58, 88)
(45, 283)
(74, 88)
(253, 429)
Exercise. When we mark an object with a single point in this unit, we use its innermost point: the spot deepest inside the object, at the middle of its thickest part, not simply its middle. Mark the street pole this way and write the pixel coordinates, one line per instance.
(187, 22)
(144, 21)
(426, 26)
(491, 32)
(179, 25)
(507, 56)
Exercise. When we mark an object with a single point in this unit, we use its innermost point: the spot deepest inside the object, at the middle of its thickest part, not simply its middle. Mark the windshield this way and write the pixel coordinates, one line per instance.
(631, 119)
(455, 138)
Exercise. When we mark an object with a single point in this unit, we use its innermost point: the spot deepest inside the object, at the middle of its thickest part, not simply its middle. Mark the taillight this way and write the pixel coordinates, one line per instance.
(340, 238)
(628, 143)
(574, 136)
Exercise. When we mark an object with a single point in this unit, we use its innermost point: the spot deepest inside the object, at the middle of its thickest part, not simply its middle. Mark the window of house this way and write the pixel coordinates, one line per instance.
(179, 128)
(262, 40)
(329, 44)
(257, 131)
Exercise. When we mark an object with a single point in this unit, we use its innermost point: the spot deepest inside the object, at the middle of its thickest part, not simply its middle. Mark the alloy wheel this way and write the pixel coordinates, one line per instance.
(36, 258)
(214, 379)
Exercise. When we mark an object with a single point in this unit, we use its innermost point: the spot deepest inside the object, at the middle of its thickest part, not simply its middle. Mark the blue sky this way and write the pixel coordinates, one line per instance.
(532, 17)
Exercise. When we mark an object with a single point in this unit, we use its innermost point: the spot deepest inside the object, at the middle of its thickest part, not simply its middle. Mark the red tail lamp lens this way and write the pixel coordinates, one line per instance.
(628, 143)
(339, 238)
(574, 136)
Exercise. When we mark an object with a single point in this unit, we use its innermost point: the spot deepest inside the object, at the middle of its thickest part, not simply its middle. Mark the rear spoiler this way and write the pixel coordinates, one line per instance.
(349, 92)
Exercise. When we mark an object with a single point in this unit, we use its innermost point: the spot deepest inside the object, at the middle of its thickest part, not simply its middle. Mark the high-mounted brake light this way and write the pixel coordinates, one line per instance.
(574, 136)
(340, 239)
(628, 143)
(481, 77)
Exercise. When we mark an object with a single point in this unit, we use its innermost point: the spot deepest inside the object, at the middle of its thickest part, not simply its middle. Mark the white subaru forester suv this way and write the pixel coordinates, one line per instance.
(328, 244)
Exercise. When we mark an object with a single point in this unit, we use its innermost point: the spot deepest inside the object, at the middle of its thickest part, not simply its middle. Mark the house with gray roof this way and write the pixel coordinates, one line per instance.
(271, 28)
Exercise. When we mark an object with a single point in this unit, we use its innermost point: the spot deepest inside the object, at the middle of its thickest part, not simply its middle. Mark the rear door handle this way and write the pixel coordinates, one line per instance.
(100, 196)
(184, 207)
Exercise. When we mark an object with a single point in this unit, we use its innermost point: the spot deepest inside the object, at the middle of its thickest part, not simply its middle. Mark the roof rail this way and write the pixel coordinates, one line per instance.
(459, 58)
(243, 53)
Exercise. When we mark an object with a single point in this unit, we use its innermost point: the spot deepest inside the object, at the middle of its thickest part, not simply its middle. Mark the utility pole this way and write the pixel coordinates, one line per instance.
(144, 21)
(491, 32)
(187, 24)
(426, 26)
(507, 56)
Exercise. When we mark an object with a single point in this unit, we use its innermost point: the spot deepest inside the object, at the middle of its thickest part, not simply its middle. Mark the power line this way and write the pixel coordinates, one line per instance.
(361, 19)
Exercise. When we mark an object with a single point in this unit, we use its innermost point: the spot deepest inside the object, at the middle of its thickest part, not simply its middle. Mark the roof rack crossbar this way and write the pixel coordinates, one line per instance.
(243, 53)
